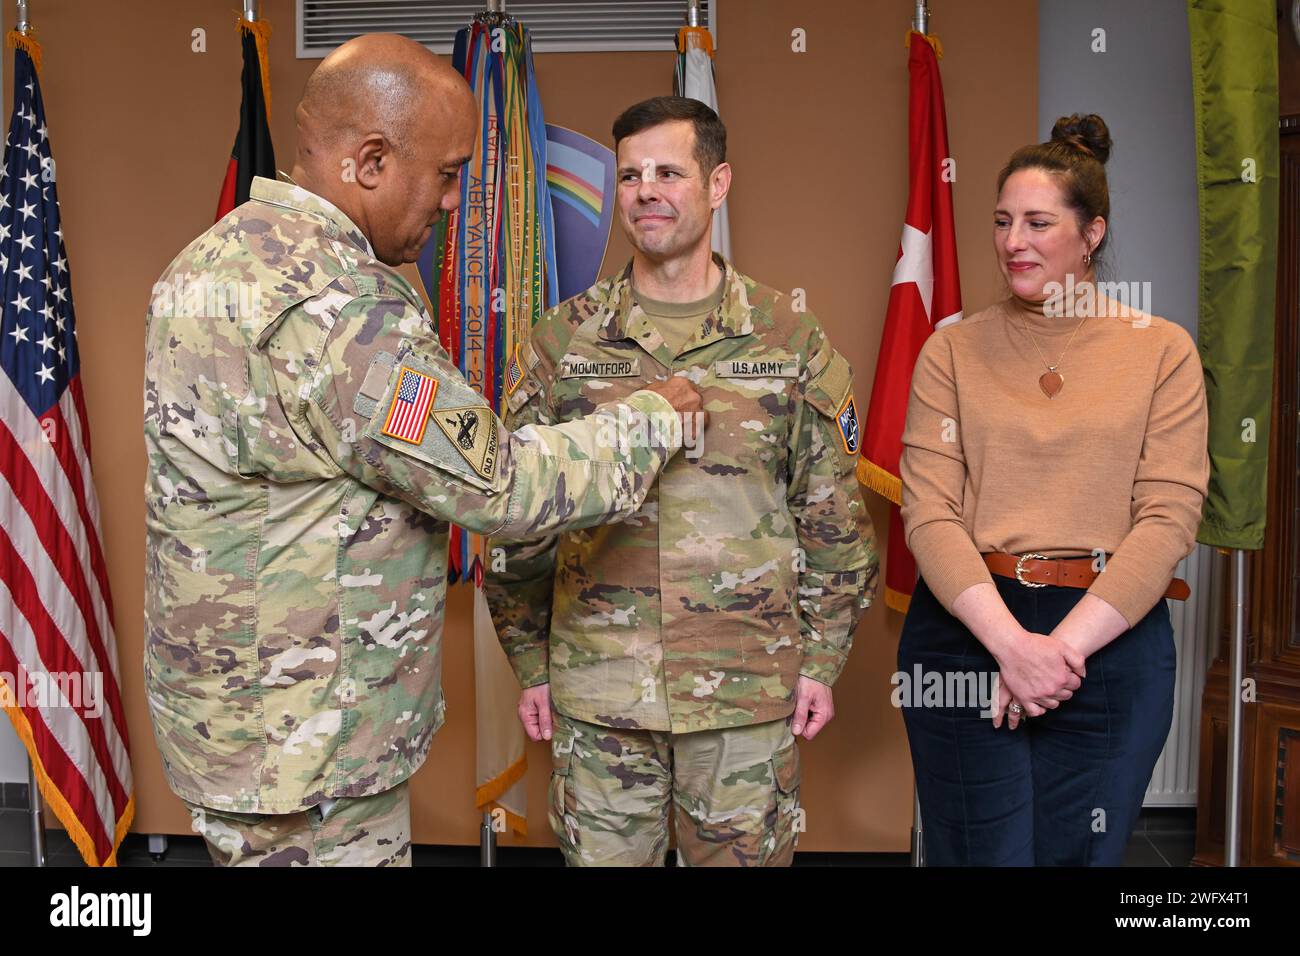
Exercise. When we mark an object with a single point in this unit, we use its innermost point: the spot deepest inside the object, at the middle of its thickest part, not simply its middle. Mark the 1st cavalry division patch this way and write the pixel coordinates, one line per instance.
(473, 432)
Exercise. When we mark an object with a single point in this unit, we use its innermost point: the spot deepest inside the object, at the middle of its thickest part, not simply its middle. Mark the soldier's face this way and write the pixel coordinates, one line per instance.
(665, 202)
(423, 186)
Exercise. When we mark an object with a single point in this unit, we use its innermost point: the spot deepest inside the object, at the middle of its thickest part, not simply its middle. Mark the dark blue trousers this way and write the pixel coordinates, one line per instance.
(1063, 789)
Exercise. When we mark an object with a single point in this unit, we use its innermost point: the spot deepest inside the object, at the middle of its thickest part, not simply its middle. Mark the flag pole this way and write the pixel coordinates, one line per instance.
(35, 810)
(250, 11)
(37, 815)
(921, 24)
(487, 836)
(487, 841)
(1232, 823)
(693, 13)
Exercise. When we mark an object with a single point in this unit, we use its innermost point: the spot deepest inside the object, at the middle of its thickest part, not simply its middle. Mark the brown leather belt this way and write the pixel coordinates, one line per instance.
(1035, 570)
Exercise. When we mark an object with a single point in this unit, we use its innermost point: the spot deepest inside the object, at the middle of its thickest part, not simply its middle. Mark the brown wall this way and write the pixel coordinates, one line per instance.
(141, 130)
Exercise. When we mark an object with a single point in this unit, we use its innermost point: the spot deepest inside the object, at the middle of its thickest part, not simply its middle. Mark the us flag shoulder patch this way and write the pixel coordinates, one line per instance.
(514, 373)
(409, 411)
(847, 419)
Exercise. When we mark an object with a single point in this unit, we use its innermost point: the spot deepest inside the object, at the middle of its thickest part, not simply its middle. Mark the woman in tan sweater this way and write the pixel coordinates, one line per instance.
(1054, 467)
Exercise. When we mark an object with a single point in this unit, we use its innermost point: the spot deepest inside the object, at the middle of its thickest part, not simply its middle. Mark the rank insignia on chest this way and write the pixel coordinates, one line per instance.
(514, 373)
(409, 411)
(473, 433)
(847, 419)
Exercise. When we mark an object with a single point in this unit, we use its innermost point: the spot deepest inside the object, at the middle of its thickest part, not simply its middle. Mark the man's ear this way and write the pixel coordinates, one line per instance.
(371, 155)
(719, 184)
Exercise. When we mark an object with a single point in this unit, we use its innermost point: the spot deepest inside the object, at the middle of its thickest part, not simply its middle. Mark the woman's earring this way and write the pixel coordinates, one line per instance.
(1087, 258)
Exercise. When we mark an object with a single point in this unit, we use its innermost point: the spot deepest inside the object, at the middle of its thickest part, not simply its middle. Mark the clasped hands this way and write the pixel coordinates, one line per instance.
(1037, 671)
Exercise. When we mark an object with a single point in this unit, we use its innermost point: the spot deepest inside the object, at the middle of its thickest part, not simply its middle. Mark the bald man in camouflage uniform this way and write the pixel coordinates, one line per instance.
(308, 441)
(683, 649)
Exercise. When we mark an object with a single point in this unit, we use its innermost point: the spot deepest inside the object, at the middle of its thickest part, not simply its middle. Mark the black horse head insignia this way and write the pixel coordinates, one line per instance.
(467, 429)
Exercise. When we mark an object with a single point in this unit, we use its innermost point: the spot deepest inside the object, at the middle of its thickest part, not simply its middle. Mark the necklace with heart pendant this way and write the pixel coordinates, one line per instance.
(1051, 382)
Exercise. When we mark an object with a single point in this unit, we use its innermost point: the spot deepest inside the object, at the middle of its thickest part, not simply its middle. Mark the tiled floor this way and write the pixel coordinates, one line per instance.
(1163, 838)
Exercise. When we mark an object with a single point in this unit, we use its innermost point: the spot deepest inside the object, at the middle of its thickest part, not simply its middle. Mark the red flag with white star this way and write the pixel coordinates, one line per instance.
(925, 294)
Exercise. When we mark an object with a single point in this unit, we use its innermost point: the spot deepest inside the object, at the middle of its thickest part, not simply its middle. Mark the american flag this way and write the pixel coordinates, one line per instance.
(514, 373)
(57, 648)
(409, 412)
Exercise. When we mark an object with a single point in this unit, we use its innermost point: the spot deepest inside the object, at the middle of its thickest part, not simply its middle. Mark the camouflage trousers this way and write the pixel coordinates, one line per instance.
(350, 831)
(734, 794)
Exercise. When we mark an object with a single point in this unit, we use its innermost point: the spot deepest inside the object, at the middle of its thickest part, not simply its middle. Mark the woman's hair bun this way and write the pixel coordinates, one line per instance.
(1087, 134)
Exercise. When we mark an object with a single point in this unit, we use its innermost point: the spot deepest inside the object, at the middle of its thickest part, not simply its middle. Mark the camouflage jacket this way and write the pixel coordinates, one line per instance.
(751, 560)
(307, 442)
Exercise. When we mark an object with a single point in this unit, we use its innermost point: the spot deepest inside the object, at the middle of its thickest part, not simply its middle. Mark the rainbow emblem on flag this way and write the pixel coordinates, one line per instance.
(580, 176)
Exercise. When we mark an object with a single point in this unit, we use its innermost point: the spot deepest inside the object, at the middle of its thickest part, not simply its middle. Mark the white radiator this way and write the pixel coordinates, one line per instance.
(1173, 783)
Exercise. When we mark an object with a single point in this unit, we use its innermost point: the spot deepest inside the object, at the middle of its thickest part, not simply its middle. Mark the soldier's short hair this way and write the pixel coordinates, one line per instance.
(357, 98)
(710, 135)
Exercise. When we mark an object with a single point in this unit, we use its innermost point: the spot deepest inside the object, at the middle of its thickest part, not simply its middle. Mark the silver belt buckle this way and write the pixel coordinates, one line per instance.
(1020, 567)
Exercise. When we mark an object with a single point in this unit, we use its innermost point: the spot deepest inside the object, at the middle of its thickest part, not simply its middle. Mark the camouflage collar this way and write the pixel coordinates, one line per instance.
(283, 191)
(626, 318)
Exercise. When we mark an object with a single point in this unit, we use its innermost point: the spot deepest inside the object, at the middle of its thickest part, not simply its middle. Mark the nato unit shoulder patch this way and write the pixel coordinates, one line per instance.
(408, 412)
(847, 420)
(472, 431)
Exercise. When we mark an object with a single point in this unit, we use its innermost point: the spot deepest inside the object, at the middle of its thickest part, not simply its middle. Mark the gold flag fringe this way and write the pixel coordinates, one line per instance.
(872, 476)
(58, 803)
(27, 43)
(932, 40)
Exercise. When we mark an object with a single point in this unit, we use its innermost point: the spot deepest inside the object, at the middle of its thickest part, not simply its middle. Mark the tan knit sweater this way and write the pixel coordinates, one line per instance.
(1117, 461)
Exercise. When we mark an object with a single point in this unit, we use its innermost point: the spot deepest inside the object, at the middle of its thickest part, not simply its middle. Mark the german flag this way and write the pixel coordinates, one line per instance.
(253, 154)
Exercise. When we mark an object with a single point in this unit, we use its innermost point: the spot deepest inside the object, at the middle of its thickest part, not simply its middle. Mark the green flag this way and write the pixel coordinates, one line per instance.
(1234, 91)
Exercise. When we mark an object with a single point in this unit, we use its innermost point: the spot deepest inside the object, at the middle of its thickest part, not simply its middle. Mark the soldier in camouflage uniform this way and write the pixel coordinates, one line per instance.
(683, 649)
(308, 441)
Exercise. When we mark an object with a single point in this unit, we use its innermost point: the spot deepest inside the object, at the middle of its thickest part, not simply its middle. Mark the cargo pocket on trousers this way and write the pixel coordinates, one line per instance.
(786, 772)
(561, 804)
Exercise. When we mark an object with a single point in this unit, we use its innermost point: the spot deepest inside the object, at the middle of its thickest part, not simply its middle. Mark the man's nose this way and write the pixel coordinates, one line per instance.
(647, 189)
(451, 198)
